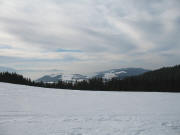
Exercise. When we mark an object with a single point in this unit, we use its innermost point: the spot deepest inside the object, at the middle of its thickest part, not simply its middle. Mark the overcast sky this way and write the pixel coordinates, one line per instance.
(89, 35)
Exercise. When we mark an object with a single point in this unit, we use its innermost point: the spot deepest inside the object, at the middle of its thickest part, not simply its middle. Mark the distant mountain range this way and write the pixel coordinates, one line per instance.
(165, 79)
(6, 69)
(63, 77)
(109, 74)
(121, 73)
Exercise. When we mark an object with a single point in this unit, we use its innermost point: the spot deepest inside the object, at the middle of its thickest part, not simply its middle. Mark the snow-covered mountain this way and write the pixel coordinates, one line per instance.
(109, 74)
(121, 73)
(62, 77)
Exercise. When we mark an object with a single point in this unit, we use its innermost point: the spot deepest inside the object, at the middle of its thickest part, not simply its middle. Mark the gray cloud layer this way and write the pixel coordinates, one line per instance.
(107, 34)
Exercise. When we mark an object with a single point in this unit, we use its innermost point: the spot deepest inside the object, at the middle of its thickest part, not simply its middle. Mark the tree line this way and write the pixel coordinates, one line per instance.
(166, 79)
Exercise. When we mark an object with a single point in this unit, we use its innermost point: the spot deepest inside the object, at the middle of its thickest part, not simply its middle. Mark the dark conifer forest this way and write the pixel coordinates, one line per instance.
(166, 79)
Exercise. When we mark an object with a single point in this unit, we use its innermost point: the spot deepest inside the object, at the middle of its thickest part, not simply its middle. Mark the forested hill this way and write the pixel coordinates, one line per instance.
(14, 78)
(166, 79)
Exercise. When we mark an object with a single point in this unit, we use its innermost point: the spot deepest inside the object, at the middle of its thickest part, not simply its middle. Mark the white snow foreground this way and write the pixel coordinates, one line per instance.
(28, 110)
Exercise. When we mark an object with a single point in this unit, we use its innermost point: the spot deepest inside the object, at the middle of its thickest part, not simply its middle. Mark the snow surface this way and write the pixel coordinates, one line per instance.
(113, 74)
(28, 110)
(121, 72)
(109, 75)
(68, 77)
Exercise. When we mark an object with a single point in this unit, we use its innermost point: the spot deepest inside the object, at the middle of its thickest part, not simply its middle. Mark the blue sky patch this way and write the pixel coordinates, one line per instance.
(68, 50)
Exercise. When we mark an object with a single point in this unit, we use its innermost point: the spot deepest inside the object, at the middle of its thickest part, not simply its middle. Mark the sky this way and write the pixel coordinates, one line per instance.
(84, 36)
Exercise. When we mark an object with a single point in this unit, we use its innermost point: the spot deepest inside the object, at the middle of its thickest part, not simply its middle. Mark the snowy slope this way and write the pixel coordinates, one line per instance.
(112, 74)
(109, 74)
(28, 110)
(121, 73)
(62, 77)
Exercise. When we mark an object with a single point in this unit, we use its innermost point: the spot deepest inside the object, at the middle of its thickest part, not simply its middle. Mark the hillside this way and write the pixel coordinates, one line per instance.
(161, 80)
(109, 74)
(121, 73)
(62, 77)
(29, 110)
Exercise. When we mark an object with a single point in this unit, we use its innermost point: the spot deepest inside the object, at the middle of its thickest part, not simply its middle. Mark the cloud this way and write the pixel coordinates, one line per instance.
(103, 34)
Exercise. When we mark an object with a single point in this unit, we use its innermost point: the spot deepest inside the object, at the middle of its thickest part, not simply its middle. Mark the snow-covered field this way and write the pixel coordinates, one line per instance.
(28, 110)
